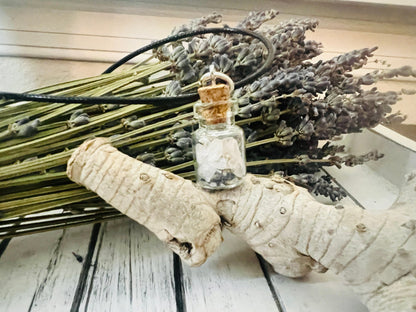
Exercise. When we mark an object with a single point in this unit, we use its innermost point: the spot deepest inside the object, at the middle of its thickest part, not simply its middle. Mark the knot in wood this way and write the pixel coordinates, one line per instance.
(411, 225)
(254, 180)
(339, 206)
(402, 252)
(226, 209)
(169, 175)
(410, 176)
(278, 178)
(144, 177)
(225, 222)
(225, 203)
(257, 224)
(361, 227)
(271, 245)
(282, 210)
(285, 188)
(269, 185)
(319, 268)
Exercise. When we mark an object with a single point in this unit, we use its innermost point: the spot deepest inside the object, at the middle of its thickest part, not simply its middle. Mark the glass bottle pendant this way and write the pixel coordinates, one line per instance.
(218, 144)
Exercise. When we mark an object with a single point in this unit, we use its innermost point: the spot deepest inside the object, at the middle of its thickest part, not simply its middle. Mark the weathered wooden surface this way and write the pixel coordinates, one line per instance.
(40, 272)
(231, 280)
(131, 270)
(124, 267)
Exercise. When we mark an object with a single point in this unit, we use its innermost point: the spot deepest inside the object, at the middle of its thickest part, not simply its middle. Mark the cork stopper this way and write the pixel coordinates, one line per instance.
(214, 93)
(215, 103)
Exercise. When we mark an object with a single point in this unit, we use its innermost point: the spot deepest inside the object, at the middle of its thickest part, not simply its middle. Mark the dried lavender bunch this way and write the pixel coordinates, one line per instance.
(286, 115)
(299, 102)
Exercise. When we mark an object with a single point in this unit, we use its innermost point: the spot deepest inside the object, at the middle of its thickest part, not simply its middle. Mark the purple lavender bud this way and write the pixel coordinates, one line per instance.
(177, 153)
(177, 160)
(181, 134)
(184, 143)
(136, 124)
(28, 129)
(79, 120)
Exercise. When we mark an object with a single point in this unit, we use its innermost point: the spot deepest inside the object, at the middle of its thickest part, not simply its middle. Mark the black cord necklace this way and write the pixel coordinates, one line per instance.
(180, 99)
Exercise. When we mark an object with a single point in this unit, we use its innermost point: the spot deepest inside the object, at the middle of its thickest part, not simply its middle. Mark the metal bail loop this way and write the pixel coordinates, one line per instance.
(213, 75)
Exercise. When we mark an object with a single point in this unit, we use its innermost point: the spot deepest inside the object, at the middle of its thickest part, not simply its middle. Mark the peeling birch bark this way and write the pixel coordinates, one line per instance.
(163, 202)
(374, 252)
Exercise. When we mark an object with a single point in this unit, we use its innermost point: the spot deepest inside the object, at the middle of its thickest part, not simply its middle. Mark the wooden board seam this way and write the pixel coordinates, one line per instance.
(179, 289)
(79, 292)
(275, 294)
(3, 245)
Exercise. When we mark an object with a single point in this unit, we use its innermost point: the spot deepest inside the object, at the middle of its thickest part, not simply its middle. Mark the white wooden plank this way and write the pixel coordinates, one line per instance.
(131, 271)
(59, 25)
(316, 293)
(66, 54)
(22, 74)
(398, 160)
(389, 44)
(56, 293)
(409, 3)
(338, 13)
(40, 273)
(231, 280)
(105, 24)
(393, 136)
(70, 41)
(372, 190)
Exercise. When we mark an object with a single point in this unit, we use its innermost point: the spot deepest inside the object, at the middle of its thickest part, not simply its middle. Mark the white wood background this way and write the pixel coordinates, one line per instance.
(124, 267)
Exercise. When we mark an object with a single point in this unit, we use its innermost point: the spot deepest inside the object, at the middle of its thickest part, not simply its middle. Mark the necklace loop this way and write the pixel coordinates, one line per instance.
(213, 75)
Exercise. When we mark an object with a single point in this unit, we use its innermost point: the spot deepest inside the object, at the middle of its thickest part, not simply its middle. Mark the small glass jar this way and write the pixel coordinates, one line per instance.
(218, 146)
